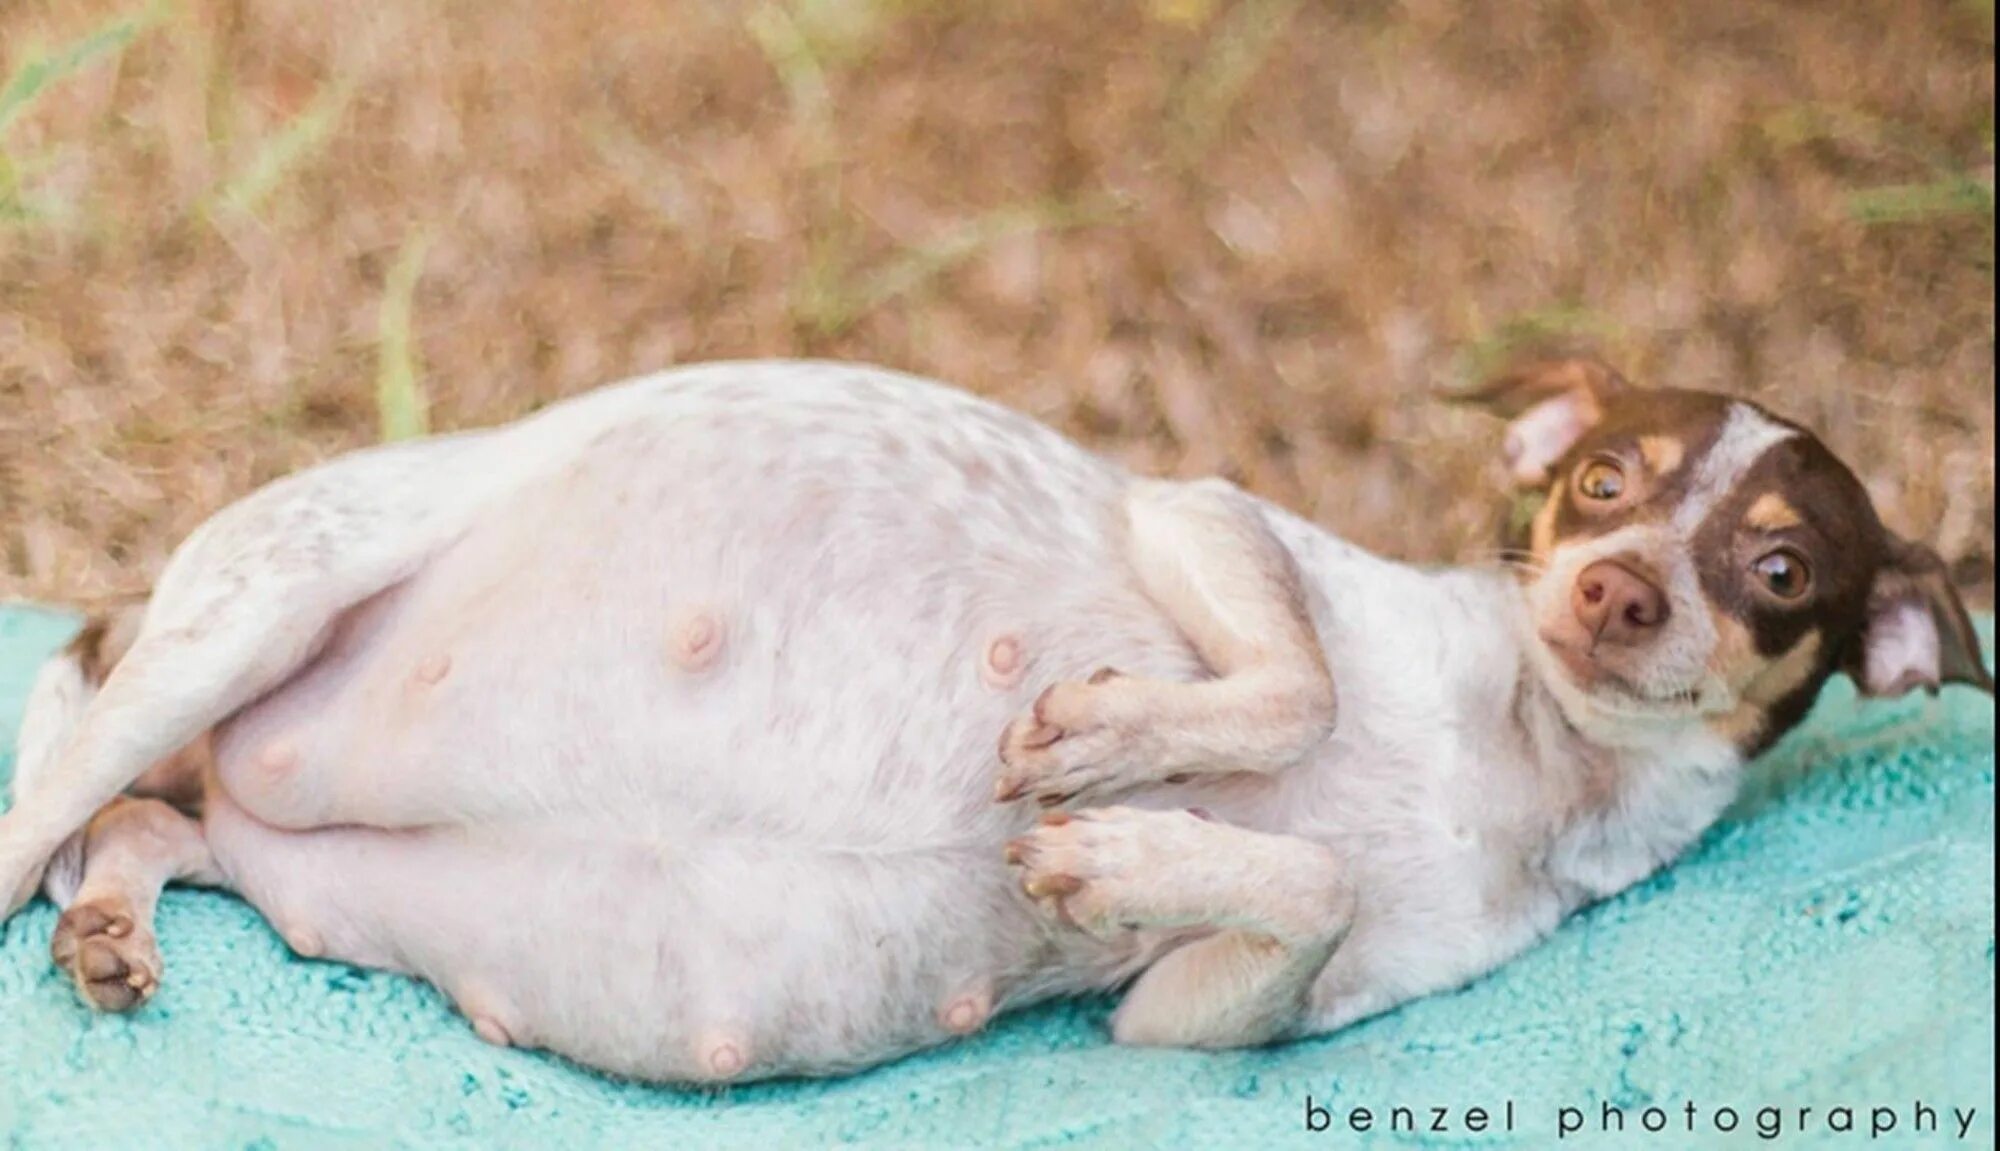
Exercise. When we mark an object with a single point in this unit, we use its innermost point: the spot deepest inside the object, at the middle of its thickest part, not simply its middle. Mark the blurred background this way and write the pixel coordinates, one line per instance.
(1248, 237)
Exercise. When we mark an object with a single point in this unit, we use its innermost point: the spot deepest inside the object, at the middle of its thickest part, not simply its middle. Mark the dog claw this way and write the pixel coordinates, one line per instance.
(1052, 886)
(1097, 871)
(1078, 739)
(1040, 736)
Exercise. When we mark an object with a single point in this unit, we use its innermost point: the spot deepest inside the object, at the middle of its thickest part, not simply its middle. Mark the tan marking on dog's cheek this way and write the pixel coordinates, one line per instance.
(1735, 659)
(1542, 531)
(1786, 674)
(1741, 726)
(1735, 662)
(1764, 684)
(1772, 513)
(1663, 454)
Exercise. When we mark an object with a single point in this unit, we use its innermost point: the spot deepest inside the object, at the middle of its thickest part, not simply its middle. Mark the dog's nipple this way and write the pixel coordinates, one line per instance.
(278, 758)
(698, 642)
(967, 1013)
(723, 1058)
(305, 942)
(433, 669)
(1004, 664)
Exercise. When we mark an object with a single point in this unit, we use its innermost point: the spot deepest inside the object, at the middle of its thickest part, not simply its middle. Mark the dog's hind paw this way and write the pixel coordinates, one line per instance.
(109, 953)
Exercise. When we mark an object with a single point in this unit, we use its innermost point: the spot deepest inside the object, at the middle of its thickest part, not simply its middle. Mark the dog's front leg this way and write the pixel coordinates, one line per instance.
(1205, 555)
(1278, 907)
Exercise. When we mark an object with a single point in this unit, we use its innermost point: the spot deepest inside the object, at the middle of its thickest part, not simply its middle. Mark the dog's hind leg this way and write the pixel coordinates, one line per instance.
(246, 601)
(61, 694)
(1205, 555)
(1277, 908)
(105, 941)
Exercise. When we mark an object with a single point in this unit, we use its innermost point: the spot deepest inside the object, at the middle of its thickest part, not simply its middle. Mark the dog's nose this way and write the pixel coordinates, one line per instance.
(1616, 604)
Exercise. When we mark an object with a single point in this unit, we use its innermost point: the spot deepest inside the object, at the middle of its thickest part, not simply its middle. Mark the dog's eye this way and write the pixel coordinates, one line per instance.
(1602, 480)
(1783, 573)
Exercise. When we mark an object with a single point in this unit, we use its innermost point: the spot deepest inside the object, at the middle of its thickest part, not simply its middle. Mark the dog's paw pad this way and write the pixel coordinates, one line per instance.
(114, 961)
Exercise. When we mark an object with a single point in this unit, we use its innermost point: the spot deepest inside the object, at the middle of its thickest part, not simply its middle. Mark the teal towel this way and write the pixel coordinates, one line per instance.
(1829, 945)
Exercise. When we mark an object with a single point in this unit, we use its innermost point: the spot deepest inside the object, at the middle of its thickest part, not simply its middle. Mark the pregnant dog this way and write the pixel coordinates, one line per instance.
(759, 719)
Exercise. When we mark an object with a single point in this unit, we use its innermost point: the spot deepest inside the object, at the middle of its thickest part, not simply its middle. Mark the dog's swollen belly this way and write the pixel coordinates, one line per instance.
(659, 728)
(680, 762)
(707, 958)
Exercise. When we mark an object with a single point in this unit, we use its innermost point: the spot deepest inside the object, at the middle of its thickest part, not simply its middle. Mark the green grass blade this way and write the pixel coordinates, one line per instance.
(403, 408)
(39, 73)
(297, 141)
(1913, 203)
(1486, 350)
(914, 267)
(1245, 41)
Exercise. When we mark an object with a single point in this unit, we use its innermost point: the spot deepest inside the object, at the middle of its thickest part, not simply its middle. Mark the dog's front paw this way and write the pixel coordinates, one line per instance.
(1100, 870)
(113, 958)
(1080, 738)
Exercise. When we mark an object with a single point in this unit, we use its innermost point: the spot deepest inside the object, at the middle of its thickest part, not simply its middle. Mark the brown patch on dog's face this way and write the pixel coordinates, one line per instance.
(1697, 559)
(1758, 542)
(1765, 683)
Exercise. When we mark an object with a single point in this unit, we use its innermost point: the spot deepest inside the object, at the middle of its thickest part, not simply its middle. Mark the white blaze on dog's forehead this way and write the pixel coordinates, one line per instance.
(1746, 435)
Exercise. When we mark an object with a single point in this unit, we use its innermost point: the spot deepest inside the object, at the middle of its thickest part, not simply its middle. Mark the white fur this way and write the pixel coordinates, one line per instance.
(55, 707)
(1543, 434)
(1745, 436)
(786, 858)
(1902, 648)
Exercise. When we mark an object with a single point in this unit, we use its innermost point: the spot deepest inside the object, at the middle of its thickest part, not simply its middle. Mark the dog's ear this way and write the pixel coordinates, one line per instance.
(1549, 405)
(1918, 633)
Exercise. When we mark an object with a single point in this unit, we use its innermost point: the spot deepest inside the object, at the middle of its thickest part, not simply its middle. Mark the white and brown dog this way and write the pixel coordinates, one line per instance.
(659, 729)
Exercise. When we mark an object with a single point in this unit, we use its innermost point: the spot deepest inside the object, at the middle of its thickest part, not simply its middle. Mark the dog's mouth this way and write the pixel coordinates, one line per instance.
(1577, 657)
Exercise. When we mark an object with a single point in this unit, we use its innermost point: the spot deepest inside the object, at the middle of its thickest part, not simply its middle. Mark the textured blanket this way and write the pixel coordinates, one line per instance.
(1830, 945)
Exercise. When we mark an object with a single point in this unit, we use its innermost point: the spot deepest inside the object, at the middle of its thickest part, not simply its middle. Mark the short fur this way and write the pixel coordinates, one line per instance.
(659, 729)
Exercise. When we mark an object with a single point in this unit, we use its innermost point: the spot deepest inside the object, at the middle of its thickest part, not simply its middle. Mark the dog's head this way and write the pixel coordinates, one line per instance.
(1697, 559)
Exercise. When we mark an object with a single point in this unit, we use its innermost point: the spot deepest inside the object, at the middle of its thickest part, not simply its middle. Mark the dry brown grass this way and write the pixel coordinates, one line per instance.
(1239, 236)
